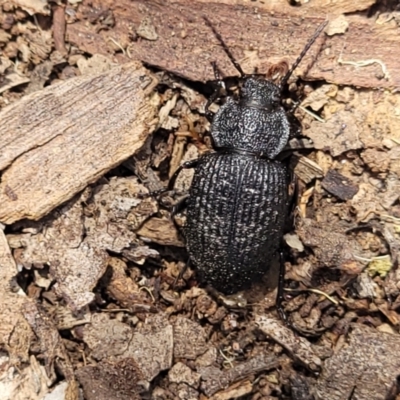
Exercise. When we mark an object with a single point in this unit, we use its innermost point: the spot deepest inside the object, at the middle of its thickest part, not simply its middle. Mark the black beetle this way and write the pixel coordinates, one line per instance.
(238, 201)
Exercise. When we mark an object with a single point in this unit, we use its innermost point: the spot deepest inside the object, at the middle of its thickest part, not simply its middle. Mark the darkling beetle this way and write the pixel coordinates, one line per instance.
(238, 202)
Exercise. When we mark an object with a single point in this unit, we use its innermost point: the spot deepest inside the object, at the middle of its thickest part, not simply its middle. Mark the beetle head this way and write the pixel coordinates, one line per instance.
(259, 92)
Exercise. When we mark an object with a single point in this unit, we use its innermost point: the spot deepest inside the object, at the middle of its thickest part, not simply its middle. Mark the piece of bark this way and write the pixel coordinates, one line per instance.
(339, 134)
(190, 339)
(33, 6)
(298, 347)
(331, 246)
(150, 345)
(57, 141)
(366, 367)
(76, 264)
(121, 287)
(161, 231)
(11, 80)
(114, 212)
(15, 333)
(215, 379)
(264, 34)
(338, 185)
(51, 347)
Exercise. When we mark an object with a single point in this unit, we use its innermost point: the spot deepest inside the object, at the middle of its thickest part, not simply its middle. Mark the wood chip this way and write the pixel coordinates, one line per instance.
(56, 141)
(215, 379)
(235, 391)
(161, 231)
(306, 169)
(11, 80)
(59, 28)
(300, 348)
(339, 185)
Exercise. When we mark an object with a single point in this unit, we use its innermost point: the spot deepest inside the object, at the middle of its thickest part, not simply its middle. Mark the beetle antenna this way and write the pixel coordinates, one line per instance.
(302, 54)
(225, 47)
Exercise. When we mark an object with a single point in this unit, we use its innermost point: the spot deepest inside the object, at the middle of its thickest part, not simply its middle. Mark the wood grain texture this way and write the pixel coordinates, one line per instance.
(56, 141)
(258, 34)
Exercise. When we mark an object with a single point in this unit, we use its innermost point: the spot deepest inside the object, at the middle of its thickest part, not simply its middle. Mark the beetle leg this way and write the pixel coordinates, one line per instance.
(294, 123)
(293, 199)
(281, 283)
(292, 203)
(185, 165)
(211, 99)
(171, 183)
(179, 206)
(181, 273)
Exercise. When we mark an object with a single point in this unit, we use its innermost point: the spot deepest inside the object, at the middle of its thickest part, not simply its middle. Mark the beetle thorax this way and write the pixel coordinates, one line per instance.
(256, 122)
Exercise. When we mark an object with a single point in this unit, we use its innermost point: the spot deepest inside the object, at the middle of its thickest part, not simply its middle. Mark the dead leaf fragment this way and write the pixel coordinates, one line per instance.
(115, 211)
(152, 346)
(106, 337)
